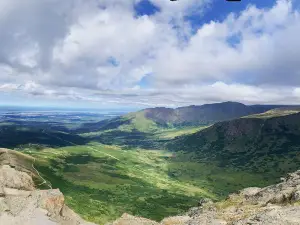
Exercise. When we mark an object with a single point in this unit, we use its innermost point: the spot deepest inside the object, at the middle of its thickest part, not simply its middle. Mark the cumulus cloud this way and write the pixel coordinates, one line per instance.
(100, 51)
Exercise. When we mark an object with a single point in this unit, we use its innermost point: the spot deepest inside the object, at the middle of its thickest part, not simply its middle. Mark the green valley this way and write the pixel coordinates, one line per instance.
(102, 182)
(134, 164)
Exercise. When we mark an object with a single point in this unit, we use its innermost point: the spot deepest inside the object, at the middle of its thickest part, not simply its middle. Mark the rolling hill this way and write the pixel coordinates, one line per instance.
(153, 119)
(149, 128)
(203, 114)
(267, 143)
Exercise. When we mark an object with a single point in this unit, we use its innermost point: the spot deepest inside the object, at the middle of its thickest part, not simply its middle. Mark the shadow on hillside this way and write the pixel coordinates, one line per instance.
(102, 125)
(128, 139)
(16, 136)
(42, 134)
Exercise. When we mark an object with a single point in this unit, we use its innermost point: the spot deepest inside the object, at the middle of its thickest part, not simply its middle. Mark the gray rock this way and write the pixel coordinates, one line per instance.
(278, 216)
(250, 192)
(127, 219)
(20, 205)
(194, 212)
(11, 178)
(2, 194)
(296, 196)
(204, 201)
(3, 206)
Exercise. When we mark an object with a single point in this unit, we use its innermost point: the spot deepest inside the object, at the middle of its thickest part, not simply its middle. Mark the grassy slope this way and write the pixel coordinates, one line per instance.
(139, 122)
(266, 145)
(137, 182)
(136, 131)
(274, 113)
(152, 184)
(167, 134)
(16, 159)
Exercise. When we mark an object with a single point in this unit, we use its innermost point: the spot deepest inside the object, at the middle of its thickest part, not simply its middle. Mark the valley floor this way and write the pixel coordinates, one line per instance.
(102, 182)
(118, 166)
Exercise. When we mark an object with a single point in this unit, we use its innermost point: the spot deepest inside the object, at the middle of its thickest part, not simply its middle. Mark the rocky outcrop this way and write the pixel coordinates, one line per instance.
(127, 219)
(22, 204)
(12, 178)
(277, 204)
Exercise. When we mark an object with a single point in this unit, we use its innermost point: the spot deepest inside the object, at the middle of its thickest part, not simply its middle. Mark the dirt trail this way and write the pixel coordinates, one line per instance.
(44, 181)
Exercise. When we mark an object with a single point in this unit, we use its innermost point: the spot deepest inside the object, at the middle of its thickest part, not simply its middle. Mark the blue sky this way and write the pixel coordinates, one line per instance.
(147, 53)
(216, 10)
(145, 7)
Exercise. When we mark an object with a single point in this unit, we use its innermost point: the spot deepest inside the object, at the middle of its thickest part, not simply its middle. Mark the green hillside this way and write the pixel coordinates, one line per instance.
(262, 144)
(102, 182)
(153, 119)
(203, 115)
(135, 165)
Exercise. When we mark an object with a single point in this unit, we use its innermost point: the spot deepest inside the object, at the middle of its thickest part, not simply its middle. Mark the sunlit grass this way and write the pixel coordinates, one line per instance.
(274, 113)
(175, 132)
(102, 182)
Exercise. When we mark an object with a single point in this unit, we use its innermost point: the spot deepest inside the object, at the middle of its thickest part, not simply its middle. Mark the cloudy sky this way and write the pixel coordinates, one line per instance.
(145, 53)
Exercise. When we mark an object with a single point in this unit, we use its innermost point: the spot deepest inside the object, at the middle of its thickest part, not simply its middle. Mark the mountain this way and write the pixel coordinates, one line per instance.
(275, 204)
(152, 119)
(267, 143)
(149, 128)
(203, 114)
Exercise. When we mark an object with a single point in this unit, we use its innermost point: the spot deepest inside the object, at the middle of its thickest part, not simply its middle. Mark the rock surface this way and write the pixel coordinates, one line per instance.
(22, 204)
(12, 178)
(273, 205)
(127, 219)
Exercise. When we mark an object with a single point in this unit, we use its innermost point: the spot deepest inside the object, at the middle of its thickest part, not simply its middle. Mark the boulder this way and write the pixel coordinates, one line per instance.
(249, 192)
(127, 219)
(51, 200)
(296, 196)
(176, 220)
(20, 204)
(11, 178)
(278, 215)
(204, 201)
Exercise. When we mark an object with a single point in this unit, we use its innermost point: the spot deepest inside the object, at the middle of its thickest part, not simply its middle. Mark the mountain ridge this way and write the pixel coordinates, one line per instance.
(205, 114)
(151, 119)
(251, 143)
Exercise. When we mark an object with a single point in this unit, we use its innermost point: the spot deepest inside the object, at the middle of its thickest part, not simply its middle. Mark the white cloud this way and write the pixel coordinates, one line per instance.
(258, 42)
(99, 51)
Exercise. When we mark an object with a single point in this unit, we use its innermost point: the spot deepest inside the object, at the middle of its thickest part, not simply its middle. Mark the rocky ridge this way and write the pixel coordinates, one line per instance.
(277, 204)
(22, 204)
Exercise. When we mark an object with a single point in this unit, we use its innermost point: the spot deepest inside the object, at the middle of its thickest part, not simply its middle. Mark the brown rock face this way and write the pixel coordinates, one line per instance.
(51, 200)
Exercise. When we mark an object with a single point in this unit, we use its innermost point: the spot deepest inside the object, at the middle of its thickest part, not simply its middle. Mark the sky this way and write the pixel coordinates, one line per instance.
(148, 53)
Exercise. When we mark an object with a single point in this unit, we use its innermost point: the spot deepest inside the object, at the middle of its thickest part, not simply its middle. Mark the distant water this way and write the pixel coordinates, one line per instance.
(39, 114)
(19, 109)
